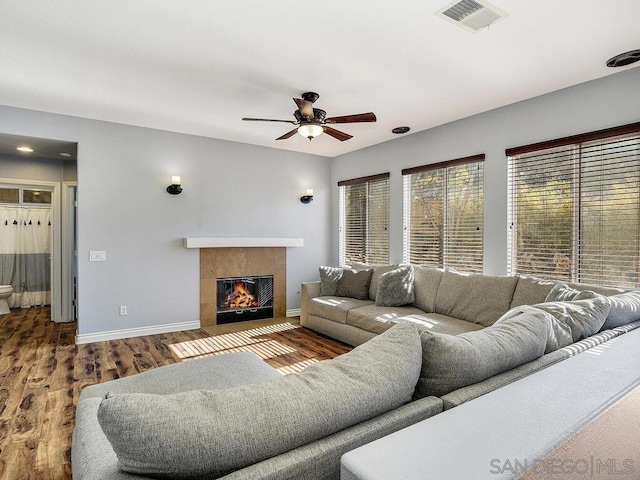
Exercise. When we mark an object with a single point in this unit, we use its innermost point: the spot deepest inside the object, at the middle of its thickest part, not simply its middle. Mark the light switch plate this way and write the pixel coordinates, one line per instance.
(97, 256)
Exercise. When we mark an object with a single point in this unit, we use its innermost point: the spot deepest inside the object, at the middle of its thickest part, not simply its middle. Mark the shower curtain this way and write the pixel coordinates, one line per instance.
(25, 254)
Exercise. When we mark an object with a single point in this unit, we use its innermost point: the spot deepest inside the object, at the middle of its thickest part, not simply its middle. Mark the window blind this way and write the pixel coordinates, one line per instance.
(574, 208)
(364, 220)
(444, 214)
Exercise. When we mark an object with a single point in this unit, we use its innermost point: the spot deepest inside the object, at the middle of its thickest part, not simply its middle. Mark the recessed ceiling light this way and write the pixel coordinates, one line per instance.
(65, 154)
(400, 130)
(25, 149)
(624, 59)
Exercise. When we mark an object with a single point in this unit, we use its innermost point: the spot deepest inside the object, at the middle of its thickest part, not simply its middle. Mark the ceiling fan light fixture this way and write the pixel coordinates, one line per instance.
(311, 122)
(310, 130)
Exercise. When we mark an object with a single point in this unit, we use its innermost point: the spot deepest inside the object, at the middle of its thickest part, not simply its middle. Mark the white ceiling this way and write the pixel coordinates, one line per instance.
(199, 66)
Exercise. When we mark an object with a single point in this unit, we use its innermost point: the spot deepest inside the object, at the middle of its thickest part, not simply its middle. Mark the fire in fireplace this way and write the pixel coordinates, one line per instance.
(244, 298)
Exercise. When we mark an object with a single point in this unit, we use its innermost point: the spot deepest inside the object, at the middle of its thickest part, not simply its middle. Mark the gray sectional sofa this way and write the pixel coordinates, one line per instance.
(444, 301)
(234, 417)
(536, 425)
(455, 337)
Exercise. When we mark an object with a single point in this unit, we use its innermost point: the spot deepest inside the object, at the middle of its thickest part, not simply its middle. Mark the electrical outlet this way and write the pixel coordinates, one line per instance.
(123, 309)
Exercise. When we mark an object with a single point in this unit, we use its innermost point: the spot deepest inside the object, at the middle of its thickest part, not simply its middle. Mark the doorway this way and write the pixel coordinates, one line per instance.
(25, 243)
(51, 166)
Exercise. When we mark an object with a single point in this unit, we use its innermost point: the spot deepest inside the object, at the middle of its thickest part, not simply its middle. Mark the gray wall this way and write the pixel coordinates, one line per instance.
(603, 103)
(230, 190)
(31, 169)
(70, 171)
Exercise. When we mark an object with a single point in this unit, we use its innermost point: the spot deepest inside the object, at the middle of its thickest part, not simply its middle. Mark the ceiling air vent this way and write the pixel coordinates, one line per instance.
(472, 15)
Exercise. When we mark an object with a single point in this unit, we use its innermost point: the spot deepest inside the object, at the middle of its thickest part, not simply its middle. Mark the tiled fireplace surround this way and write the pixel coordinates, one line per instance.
(239, 262)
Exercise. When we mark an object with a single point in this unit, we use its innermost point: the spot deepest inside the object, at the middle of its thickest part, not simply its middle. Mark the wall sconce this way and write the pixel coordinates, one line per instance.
(308, 197)
(175, 188)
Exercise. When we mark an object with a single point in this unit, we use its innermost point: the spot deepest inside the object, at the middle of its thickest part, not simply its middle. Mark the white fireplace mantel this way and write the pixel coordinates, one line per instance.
(223, 242)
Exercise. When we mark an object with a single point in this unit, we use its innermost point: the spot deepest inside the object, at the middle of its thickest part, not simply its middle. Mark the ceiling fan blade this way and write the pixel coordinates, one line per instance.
(288, 134)
(336, 133)
(357, 118)
(246, 119)
(305, 107)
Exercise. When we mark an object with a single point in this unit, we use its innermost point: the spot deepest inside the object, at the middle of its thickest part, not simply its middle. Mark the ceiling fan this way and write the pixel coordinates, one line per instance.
(312, 122)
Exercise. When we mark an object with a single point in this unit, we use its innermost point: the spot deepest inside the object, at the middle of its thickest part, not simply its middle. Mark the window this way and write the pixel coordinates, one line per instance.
(574, 208)
(443, 214)
(9, 195)
(25, 195)
(364, 220)
(36, 196)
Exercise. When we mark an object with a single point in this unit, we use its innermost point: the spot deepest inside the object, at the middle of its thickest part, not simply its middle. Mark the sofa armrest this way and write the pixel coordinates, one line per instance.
(308, 291)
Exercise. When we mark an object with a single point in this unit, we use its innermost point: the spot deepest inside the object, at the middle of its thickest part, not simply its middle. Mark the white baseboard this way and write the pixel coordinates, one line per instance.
(136, 332)
(293, 312)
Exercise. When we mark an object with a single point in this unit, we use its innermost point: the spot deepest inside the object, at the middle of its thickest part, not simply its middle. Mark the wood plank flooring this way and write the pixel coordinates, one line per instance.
(43, 371)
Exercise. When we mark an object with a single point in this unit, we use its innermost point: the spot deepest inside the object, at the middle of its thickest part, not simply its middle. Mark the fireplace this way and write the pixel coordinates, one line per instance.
(237, 263)
(241, 299)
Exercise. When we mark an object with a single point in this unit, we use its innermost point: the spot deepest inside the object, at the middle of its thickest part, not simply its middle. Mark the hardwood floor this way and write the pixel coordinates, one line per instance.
(43, 371)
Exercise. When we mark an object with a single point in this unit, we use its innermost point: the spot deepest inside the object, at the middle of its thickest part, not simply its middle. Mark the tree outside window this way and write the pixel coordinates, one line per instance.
(575, 209)
(443, 214)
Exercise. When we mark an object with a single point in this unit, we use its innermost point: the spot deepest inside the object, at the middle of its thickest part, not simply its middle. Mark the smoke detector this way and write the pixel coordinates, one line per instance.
(472, 15)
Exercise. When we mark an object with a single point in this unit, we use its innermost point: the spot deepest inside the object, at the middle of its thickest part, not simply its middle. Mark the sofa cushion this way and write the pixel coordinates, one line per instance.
(436, 322)
(426, 281)
(395, 287)
(329, 277)
(465, 394)
(559, 332)
(530, 290)
(378, 319)
(599, 289)
(335, 308)
(582, 318)
(91, 454)
(354, 283)
(375, 276)
(211, 433)
(209, 373)
(562, 292)
(450, 362)
(625, 308)
(481, 299)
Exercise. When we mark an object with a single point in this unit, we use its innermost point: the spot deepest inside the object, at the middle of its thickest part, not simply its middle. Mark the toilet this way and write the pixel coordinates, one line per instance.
(5, 292)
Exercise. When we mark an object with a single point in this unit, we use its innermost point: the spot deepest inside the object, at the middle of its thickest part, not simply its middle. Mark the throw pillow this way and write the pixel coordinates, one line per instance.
(329, 277)
(580, 318)
(562, 292)
(208, 434)
(378, 269)
(354, 284)
(625, 308)
(375, 278)
(395, 288)
(450, 362)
